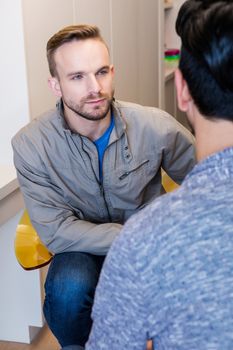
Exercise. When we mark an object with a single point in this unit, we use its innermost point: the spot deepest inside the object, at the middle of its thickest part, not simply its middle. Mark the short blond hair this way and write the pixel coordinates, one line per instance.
(68, 34)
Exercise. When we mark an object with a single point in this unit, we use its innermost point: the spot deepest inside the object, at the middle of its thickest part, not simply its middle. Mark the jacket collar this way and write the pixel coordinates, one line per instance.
(120, 124)
(120, 131)
(61, 117)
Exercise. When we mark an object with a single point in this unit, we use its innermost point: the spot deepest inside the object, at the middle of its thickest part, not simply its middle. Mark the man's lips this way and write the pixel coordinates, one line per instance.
(96, 101)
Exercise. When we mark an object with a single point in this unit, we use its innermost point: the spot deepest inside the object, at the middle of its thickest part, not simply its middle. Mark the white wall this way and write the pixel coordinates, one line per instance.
(41, 19)
(123, 25)
(171, 38)
(13, 88)
(129, 27)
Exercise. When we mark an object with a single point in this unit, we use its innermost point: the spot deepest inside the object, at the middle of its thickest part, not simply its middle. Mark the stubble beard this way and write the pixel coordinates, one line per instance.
(99, 112)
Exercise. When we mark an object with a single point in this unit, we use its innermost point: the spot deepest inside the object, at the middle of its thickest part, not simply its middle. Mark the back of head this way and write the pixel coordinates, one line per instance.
(68, 34)
(206, 31)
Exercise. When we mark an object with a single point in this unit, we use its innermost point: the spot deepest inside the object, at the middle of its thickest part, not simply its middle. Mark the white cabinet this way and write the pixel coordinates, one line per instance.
(170, 95)
(171, 41)
(136, 31)
(131, 28)
(171, 101)
(168, 4)
(41, 19)
(135, 54)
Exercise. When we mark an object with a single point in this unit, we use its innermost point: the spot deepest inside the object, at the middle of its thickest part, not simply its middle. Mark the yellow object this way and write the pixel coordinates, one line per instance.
(168, 184)
(30, 252)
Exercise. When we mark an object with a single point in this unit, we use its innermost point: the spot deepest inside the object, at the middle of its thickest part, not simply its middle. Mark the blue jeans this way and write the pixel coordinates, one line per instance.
(69, 293)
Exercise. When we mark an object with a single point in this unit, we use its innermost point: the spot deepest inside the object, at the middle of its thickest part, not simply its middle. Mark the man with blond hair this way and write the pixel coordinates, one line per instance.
(85, 168)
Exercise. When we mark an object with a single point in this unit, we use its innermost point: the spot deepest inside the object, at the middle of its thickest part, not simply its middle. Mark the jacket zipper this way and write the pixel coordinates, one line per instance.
(102, 194)
(123, 176)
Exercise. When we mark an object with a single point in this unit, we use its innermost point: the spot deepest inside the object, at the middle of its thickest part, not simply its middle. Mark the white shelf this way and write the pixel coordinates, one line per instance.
(169, 73)
(168, 6)
(8, 181)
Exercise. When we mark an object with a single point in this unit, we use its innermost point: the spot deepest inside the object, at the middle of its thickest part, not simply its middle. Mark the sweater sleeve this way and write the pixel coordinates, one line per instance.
(119, 311)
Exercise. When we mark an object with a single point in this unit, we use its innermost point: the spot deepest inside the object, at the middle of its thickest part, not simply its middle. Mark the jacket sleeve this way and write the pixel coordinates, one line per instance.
(58, 227)
(178, 151)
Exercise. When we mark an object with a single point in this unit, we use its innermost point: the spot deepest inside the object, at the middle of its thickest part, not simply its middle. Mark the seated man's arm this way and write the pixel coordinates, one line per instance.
(179, 151)
(58, 226)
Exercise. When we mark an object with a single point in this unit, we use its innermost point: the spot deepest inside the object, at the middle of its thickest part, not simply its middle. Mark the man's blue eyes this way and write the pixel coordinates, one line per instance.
(102, 72)
(79, 76)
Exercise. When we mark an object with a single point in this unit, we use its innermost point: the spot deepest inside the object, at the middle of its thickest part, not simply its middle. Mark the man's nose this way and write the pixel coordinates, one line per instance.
(94, 85)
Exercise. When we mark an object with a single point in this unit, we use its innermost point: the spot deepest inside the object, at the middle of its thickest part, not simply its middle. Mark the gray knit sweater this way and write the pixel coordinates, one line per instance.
(169, 275)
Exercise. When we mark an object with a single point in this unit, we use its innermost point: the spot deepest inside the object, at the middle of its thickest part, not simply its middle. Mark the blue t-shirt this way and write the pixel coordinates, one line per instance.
(101, 145)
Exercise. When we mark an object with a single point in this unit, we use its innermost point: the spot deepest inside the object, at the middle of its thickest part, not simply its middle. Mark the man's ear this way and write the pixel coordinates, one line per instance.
(112, 70)
(54, 86)
(182, 91)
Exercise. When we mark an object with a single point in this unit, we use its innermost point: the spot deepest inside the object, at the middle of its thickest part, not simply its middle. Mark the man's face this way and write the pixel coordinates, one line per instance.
(84, 78)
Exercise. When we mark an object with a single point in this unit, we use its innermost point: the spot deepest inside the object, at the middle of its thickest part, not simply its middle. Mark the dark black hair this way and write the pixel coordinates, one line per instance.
(206, 31)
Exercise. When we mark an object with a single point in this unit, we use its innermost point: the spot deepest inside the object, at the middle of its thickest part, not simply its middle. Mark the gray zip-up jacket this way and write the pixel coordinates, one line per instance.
(58, 173)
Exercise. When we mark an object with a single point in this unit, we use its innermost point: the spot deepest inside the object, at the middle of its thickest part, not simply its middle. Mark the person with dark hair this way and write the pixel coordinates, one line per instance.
(85, 168)
(168, 276)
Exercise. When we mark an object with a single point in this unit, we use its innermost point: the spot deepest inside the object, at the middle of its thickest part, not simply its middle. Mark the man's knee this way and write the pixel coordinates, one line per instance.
(72, 278)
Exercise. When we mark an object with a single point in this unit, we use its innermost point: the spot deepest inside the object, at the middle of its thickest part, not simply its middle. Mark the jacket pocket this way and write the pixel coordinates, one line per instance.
(135, 168)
